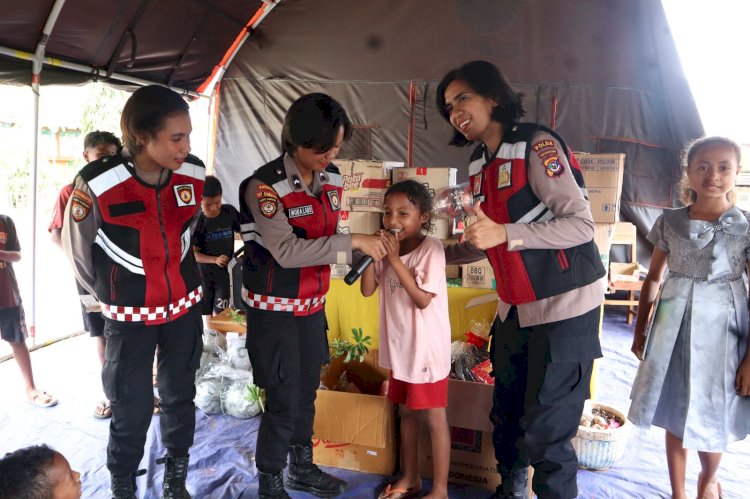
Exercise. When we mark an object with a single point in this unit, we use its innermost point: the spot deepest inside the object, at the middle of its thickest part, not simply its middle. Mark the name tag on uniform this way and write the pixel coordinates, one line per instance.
(300, 211)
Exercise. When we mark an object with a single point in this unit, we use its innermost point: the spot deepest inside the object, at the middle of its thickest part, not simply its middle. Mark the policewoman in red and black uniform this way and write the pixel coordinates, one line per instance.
(290, 210)
(127, 232)
(534, 224)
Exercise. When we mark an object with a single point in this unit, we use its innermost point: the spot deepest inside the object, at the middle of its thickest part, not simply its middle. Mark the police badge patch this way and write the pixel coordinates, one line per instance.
(333, 199)
(503, 175)
(80, 205)
(268, 200)
(552, 166)
(184, 195)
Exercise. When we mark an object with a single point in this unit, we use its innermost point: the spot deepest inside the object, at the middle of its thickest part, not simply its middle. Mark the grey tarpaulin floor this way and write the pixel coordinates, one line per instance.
(222, 464)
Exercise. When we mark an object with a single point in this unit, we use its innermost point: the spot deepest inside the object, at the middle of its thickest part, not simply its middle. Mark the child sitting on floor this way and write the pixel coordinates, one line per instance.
(38, 472)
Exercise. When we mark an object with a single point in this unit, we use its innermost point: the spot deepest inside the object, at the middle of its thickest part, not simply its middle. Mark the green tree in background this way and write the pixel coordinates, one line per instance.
(103, 108)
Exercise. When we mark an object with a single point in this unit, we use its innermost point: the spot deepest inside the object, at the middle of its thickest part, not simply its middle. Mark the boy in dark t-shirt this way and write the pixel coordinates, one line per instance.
(12, 321)
(213, 245)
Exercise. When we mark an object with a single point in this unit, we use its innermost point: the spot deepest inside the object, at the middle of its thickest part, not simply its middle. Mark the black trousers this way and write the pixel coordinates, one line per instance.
(286, 352)
(542, 377)
(126, 377)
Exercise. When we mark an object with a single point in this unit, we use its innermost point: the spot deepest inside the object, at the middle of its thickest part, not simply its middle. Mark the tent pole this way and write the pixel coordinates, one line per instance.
(214, 79)
(96, 73)
(36, 70)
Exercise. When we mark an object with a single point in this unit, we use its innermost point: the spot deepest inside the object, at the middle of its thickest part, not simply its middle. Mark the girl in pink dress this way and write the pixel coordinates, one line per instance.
(415, 332)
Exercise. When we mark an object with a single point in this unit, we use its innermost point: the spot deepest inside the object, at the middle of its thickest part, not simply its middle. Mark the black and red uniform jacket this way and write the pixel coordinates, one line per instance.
(502, 185)
(266, 284)
(141, 254)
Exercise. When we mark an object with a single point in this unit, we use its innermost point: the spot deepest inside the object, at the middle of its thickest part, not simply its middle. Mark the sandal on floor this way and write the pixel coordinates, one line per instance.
(391, 492)
(42, 399)
(103, 410)
(157, 405)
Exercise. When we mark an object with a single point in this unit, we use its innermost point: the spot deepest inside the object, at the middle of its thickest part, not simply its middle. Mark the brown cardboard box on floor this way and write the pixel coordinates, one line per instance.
(478, 275)
(355, 431)
(602, 174)
(472, 453)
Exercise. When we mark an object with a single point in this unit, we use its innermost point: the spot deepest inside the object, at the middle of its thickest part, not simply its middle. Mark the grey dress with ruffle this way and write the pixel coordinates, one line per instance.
(699, 333)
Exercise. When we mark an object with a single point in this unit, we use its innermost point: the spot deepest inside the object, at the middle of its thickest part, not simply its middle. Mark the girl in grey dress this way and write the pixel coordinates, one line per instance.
(694, 380)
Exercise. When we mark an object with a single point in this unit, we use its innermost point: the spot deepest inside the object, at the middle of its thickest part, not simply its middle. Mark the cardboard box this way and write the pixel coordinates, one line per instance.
(603, 238)
(364, 183)
(472, 453)
(478, 275)
(355, 431)
(602, 174)
(624, 272)
(339, 270)
(435, 179)
(359, 222)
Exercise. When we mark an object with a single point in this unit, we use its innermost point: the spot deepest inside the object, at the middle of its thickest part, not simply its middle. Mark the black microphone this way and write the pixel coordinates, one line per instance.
(357, 269)
(362, 264)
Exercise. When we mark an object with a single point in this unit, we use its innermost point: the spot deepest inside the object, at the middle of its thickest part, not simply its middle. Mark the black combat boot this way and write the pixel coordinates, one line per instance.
(123, 486)
(174, 477)
(271, 486)
(304, 475)
(514, 484)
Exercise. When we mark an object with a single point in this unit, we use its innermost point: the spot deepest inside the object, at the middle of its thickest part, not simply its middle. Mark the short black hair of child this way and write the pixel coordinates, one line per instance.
(212, 187)
(23, 473)
(485, 79)
(145, 112)
(418, 194)
(99, 137)
(313, 121)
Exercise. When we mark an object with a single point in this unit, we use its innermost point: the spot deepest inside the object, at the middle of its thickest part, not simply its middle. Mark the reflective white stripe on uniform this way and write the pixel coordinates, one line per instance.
(185, 241)
(335, 179)
(250, 234)
(517, 150)
(192, 170)
(476, 166)
(108, 179)
(282, 187)
(117, 254)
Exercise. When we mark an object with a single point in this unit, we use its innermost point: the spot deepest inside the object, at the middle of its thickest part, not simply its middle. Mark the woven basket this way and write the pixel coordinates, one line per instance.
(599, 449)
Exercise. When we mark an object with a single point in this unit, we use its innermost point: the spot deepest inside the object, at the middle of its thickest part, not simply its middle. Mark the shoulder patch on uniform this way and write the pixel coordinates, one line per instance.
(552, 166)
(80, 205)
(333, 199)
(184, 195)
(268, 200)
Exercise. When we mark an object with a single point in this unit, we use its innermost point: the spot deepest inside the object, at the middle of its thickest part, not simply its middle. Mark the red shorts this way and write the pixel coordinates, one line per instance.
(418, 396)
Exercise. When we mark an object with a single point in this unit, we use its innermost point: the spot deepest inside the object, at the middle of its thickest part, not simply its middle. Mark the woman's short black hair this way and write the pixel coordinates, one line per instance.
(485, 79)
(313, 121)
(146, 111)
(25, 473)
(418, 194)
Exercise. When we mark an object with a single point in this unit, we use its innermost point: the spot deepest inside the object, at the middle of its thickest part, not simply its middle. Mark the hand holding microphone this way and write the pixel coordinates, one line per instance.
(372, 245)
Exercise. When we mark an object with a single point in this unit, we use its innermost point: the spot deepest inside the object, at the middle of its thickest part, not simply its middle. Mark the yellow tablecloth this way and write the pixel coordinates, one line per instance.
(347, 309)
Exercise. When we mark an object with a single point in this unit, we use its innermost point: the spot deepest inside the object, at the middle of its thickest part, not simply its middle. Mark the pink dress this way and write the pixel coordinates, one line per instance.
(415, 344)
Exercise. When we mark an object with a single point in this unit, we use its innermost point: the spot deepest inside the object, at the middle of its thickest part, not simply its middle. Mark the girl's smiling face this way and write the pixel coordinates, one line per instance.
(402, 216)
(712, 171)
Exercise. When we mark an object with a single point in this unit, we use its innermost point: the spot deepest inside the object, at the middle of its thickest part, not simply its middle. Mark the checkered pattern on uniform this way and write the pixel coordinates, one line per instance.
(279, 304)
(152, 314)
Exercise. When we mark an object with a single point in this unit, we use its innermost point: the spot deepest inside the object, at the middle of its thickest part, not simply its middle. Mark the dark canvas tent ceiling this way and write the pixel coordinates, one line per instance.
(174, 42)
(605, 74)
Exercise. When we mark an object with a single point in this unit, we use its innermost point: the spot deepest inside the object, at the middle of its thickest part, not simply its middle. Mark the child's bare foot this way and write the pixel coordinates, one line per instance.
(709, 489)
